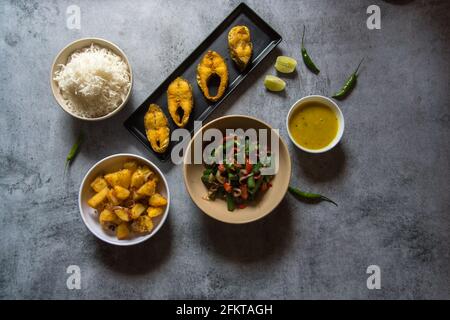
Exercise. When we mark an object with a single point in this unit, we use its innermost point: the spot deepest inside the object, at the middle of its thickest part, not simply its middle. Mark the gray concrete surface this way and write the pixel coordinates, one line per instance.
(390, 175)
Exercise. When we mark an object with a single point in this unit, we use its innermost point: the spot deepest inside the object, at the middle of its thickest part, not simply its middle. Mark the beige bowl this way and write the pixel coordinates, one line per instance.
(217, 209)
(62, 57)
(89, 215)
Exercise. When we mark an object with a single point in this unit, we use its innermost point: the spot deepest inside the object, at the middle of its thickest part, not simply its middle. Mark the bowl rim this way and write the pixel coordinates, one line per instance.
(185, 165)
(337, 110)
(144, 237)
(98, 41)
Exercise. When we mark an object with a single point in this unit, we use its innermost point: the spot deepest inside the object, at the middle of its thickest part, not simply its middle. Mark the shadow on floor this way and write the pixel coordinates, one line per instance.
(322, 167)
(264, 240)
(141, 258)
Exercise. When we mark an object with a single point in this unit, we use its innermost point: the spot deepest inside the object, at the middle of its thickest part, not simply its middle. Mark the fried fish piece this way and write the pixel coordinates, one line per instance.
(180, 101)
(212, 63)
(240, 45)
(157, 128)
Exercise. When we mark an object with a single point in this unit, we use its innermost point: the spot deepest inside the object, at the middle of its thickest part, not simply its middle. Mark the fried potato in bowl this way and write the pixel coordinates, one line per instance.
(128, 183)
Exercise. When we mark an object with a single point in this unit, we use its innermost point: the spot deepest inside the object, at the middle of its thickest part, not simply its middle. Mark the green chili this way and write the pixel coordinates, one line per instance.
(306, 58)
(73, 151)
(256, 167)
(251, 182)
(205, 179)
(232, 177)
(254, 191)
(349, 84)
(309, 196)
(230, 202)
(257, 186)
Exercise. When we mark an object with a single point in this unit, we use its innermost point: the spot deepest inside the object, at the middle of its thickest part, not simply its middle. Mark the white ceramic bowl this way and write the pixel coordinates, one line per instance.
(89, 215)
(62, 57)
(333, 106)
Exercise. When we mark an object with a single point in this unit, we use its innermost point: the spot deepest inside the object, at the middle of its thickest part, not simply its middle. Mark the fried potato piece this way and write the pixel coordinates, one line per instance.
(124, 214)
(130, 165)
(154, 211)
(148, 189)
(137, 210)
(119, 178)
(108, 218)
(140, 176)
(157, 128)
(157, 200)
(122, 231)
(240, 46)
(112, 198)
(99, 184)
(180, 101)
(98, 198)
(212, 63)
(136, 196)
(142, 224)
(121, 193)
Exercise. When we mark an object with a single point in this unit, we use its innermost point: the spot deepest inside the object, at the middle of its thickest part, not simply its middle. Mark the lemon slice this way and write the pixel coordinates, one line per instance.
(273, 83)
(285, 64)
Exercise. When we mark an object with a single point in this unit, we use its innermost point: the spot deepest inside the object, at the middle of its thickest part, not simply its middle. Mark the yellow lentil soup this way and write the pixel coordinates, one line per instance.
(313, 125)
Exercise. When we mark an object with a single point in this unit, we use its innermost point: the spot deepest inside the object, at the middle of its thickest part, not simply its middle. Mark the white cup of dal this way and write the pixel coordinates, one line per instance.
(315, 124)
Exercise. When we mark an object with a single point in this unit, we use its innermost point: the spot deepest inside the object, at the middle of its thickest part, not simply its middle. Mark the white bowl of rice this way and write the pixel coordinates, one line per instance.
(91, 79)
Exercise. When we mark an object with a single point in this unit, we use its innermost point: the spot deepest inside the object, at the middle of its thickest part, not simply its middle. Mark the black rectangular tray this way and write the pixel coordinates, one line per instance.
(264, 39)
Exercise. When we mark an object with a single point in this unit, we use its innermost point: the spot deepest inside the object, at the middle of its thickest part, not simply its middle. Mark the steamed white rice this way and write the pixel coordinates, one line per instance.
(94, 82)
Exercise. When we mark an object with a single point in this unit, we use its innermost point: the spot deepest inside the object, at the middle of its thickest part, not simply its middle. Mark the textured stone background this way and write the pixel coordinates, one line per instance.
(390, 175)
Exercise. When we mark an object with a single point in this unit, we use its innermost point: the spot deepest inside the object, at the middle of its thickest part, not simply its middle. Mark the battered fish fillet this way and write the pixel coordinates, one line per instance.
(180, 101)
(240, 45)
(157, 128)
(212, 63)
